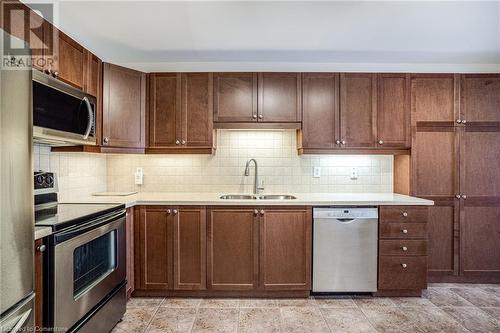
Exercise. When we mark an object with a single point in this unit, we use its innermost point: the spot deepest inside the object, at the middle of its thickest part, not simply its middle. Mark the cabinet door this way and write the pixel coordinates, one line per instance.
(165, 110)
(197, 109)
(285, 249)
(435, 157)
(154, 242)
(434, 98)
(393, 110)
(280, 97)
(320, 114)
(38, 285)
(130, 250)
(232, 249)
(442, 237)
(93, 74)
(70, 65)
(357, 110)
(124, 103)
(235, 97)
(480, 98)
(189, 248)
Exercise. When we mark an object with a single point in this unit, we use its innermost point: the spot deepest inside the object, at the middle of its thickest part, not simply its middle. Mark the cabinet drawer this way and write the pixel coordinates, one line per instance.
(403, 214)
(403, 230)
(402, 272)
(402, 247)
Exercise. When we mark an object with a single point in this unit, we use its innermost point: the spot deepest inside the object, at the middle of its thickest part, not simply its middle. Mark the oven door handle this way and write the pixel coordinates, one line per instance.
(64, 236)
(91, 118)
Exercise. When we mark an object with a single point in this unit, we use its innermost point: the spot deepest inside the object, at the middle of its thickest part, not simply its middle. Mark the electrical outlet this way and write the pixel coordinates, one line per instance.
(138, 176)
(316, 172)
(354, 173)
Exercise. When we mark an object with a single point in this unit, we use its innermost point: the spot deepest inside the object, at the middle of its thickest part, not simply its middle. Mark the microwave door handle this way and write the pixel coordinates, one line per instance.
(91, 118)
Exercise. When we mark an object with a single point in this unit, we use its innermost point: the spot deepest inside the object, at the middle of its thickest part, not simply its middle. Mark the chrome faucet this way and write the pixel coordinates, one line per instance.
(256, 186)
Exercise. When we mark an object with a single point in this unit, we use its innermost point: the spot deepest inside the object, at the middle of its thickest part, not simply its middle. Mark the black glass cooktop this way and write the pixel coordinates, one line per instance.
(68, 215)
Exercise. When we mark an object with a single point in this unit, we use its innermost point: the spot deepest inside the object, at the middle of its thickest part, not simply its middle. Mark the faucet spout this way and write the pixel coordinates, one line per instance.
(256, 187)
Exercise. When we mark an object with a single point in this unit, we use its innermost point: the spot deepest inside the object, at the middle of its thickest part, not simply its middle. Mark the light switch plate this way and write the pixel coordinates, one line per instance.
(316, 172)
(138, 176)
(354, 173)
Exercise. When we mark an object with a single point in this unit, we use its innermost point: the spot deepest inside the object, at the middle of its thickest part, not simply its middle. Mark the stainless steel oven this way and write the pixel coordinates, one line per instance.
(88, 265)
(62, 114)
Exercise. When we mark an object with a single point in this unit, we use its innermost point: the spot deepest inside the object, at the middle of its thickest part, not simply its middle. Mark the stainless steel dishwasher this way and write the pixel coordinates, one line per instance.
(345, 249)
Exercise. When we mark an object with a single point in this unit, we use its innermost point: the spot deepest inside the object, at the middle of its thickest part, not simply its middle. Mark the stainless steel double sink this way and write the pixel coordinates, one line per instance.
(258, 197)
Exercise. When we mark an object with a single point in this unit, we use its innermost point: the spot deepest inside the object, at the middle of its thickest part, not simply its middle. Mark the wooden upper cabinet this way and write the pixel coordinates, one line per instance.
(189, 225)
(235, 97)
(285, 248)
(434, 98)
(154, 243)
(197, 109)
(233, 254)
(480, 98)
(393, 110)
(358, 93)
(320, 113)
(164, 110)
(124, 107)
(93, 74)
(280, 96)
(70, 65)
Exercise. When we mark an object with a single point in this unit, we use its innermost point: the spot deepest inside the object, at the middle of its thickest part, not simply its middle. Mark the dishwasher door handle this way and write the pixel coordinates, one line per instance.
(345, 220)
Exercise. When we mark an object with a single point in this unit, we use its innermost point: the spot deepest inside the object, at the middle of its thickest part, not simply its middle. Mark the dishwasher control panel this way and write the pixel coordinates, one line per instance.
(345, 213)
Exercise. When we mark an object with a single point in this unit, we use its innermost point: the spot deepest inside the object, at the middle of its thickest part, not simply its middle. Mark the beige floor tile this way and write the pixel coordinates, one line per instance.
(144, 301)
(258, 303)
(135, 320)
(367, 301)
(259, 320)
(441, 285)
(172, 320)
(492, 290)
(218, 320)
(411, 301)
(432, 319)
(444, 297)
(473, 319)
(297, 302)
(493, 312)
(181, 302)
(335, 302)
(348, 320)
(303, 319)
(477, 296)
(219, 303)
(389, 319)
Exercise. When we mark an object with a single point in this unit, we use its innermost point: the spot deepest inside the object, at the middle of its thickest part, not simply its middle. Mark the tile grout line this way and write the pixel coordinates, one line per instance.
(152, 317)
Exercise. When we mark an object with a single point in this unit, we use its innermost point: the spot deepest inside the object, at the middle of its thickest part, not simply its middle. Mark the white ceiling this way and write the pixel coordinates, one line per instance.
(290, 36)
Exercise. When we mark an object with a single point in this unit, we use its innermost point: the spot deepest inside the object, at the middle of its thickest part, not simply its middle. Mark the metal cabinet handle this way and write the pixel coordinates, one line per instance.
(261, 212)
(404, 265)
(464, 121)
(41, 248)
(405, 214)
(183, 142)
(175, 211)
(46, 71)
(404, 231)
(459, 121)
(337, 142)
(457, 196)
(177, 142)
(255, 212)
(343, 142)
(105, 140)
(404, 248)
(464, 196)
(55, 73)
(254, 116)
(380, 142)
(169, 211)
(261, 116)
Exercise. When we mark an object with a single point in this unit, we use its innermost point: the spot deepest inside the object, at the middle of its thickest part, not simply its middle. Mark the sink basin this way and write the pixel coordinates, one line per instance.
(277, 197)
(238, 197)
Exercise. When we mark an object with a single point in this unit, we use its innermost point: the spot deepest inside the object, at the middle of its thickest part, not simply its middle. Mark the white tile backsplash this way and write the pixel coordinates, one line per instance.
(280, 167)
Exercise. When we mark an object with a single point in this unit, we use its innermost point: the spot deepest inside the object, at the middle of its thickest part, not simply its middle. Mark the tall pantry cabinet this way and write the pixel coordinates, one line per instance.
(456, 163)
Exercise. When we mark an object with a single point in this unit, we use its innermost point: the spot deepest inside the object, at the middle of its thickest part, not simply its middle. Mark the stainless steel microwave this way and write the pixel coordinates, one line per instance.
(62, 114)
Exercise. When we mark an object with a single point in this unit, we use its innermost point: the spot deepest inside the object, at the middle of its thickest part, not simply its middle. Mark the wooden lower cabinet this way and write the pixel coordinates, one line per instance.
(402, 257)
(170, 248)
(285, 249)
(129, 230)
(39, 250)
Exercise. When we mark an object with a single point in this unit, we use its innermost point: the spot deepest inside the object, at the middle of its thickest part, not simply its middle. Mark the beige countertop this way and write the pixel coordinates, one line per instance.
(41, 232)
(212, 199)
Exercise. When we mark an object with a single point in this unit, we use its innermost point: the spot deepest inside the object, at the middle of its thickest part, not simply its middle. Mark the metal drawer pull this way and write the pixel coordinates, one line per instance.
(175, 211)
(404, 248)
(404, 231)
(404, 265)
(254, 116)
(41, 248)
(255, 212)
(405, 214)
(169, 211)
(262, 212)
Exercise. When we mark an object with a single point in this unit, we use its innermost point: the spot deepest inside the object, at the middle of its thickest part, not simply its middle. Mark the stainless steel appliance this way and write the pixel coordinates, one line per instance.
(62, 114)
(16, 189)
(345, 249)
(86, 263)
